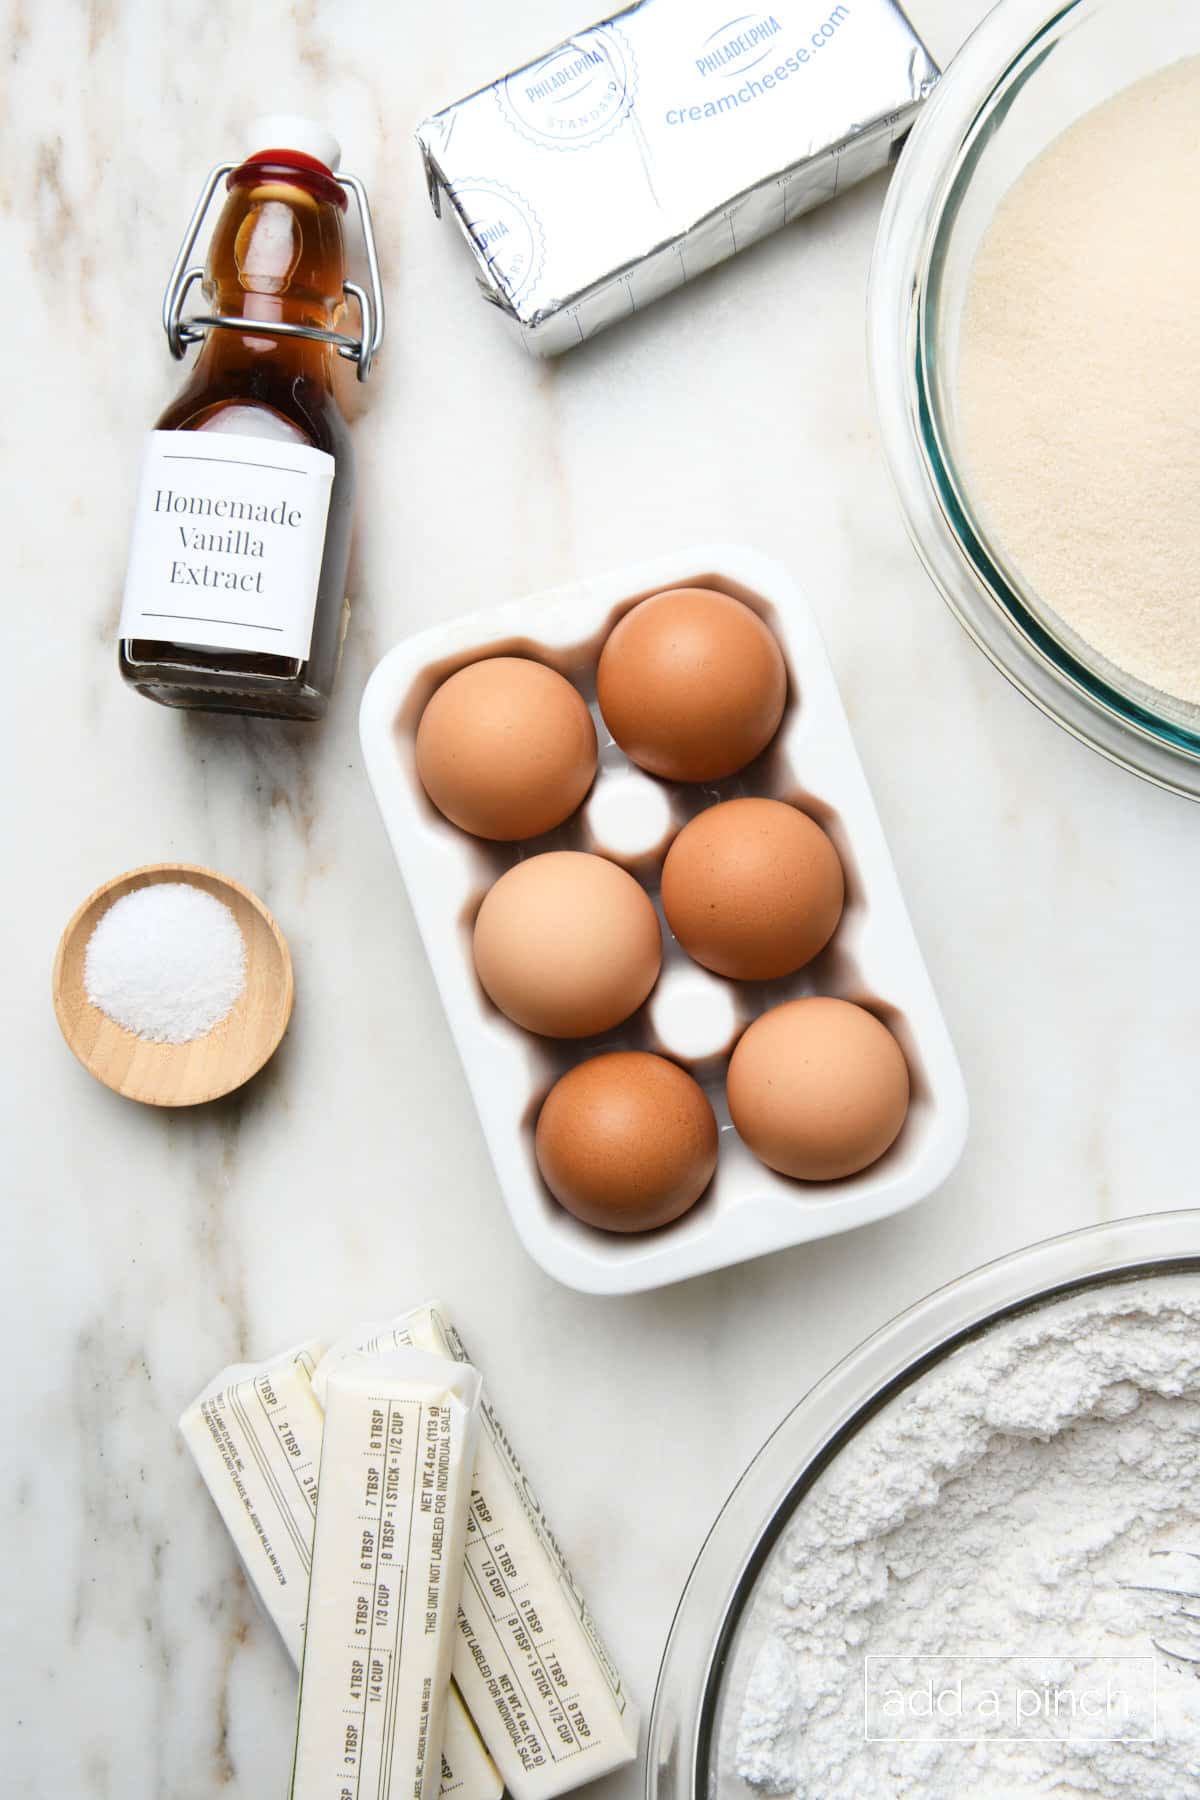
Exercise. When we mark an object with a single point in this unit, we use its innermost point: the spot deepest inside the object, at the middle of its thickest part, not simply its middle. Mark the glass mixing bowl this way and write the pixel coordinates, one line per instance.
(1027, 74)
(693, 1701)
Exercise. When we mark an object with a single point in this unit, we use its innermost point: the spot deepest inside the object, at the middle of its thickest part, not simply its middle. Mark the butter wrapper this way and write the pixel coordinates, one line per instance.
(641, 152)
(542, 1690)
(255, 1434)
(387, 1566)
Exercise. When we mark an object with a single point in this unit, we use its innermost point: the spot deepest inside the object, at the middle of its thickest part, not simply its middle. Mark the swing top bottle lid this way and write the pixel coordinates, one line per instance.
(290, 131)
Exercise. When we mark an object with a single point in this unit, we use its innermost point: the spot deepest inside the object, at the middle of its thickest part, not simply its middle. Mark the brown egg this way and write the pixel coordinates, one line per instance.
(506, 748)
(691, 684)
(752, 889)
(626, 1141)
(818, 1088)
(567, 944)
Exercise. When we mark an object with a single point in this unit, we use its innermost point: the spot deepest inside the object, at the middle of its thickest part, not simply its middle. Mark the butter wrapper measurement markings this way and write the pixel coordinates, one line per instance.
(648, 148)
(542, 1689)
(398, 1453)
(255, 1435)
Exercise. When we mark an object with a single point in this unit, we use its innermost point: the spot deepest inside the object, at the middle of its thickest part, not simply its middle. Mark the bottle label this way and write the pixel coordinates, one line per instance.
(228, 537)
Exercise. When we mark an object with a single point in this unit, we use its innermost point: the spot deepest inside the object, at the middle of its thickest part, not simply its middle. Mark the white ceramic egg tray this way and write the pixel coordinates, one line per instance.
(692, 1016)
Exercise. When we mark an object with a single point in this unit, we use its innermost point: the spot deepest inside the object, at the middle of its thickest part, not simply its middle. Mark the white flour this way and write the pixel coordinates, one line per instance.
(1078, 379)
(992, 1509)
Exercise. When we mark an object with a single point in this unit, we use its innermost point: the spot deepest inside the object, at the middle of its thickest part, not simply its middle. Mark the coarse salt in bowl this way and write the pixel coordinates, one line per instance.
(166, 961)
(173, 984)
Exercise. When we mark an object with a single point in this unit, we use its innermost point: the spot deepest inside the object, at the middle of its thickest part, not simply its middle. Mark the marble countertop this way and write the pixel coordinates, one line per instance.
(1054, 895)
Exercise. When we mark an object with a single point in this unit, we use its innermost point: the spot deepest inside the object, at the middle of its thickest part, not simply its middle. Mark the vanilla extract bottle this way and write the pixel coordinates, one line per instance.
(235, 596)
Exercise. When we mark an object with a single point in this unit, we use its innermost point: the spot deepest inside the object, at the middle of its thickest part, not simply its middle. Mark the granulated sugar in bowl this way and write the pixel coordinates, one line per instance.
(1079, 361)
(1034, 345)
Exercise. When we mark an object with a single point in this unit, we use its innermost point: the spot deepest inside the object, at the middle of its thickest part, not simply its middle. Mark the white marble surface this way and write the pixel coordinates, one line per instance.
(1055, 896)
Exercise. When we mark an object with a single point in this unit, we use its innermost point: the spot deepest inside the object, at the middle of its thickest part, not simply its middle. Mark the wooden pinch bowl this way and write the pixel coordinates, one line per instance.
(208, 1067)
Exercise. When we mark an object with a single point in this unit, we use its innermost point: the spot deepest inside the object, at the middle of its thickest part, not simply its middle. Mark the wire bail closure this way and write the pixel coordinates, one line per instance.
(181, 332)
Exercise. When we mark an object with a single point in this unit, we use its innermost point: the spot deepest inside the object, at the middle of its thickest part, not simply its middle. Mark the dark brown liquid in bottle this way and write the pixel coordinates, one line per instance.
(277, 254)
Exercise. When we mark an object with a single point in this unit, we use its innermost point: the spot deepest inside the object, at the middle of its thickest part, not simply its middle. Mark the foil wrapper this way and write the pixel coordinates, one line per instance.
(641, 152)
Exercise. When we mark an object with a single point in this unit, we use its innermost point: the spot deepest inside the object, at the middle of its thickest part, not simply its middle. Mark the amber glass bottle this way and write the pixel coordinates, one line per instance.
(236, 589)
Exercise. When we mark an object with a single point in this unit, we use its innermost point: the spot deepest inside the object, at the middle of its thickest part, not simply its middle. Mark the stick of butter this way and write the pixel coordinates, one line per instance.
(541, 1688)
(255, 1434)
(401, 1432)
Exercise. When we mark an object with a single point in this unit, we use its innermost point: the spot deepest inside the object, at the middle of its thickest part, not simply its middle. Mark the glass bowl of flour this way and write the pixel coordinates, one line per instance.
(1035, 349)
(926, 1584)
